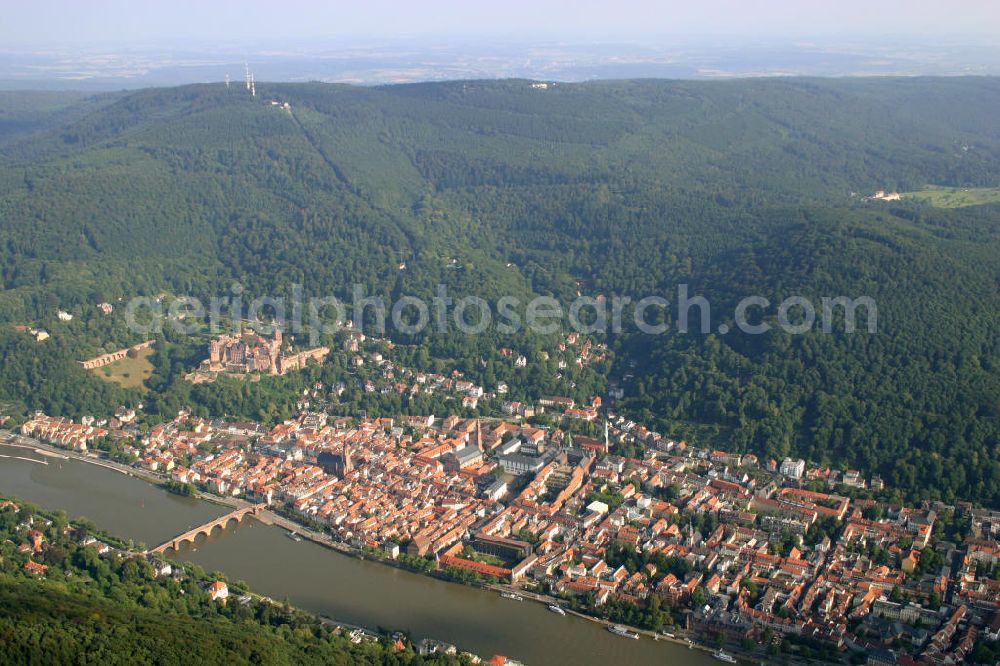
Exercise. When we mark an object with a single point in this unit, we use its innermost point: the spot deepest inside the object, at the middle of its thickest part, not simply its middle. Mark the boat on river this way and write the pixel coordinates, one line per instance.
(619, 630)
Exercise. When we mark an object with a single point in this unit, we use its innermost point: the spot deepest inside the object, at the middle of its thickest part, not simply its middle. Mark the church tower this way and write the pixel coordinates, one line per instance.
(347, 461)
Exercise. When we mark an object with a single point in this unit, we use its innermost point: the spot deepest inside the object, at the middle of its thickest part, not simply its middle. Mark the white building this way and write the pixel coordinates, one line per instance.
(218, 591)
(793, 468)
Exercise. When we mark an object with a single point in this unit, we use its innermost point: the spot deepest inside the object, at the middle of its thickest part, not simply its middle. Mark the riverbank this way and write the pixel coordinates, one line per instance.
(101, 460)
(679, 637)
(272, 518)
(357, 591)
(51, 609)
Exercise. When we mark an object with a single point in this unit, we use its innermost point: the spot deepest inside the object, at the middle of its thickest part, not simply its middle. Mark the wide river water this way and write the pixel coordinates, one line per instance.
(325, 582)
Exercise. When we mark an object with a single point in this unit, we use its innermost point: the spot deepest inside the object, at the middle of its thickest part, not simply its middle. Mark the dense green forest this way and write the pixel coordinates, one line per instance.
(627, 188)
(28, 112)
(88, 608)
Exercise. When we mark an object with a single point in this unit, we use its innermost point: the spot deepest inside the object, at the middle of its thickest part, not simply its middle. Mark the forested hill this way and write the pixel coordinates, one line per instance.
(628, 188)
(66, 604)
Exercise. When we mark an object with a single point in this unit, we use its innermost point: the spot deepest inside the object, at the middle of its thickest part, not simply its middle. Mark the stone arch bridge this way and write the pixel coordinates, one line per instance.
(207, 528)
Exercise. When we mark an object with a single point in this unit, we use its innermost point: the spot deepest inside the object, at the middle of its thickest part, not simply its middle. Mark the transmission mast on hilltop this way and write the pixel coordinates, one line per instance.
(251, 87)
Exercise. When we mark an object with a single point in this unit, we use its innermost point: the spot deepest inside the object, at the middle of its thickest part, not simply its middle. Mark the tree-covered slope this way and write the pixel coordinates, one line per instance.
(622, 188)
(114, 609)
(917, 401)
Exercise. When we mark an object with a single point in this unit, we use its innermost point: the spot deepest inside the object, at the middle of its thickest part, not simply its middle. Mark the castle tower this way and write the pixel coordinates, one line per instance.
(215, 352)
(274, 351)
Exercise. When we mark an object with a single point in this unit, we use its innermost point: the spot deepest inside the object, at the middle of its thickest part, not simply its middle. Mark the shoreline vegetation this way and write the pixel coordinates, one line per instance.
(67, 587)
(178, 488)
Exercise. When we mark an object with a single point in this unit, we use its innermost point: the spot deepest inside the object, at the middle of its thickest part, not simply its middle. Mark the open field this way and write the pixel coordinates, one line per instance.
(955, 197)
(129, 372)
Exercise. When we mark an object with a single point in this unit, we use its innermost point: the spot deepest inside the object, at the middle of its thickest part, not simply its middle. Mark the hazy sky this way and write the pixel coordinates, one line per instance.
(51, 22)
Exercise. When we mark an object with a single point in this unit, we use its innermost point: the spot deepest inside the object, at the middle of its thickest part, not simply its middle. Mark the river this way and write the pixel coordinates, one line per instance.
(325, 582)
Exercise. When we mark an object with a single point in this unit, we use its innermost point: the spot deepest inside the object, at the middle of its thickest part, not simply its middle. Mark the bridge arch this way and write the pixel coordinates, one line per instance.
(206, 529)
